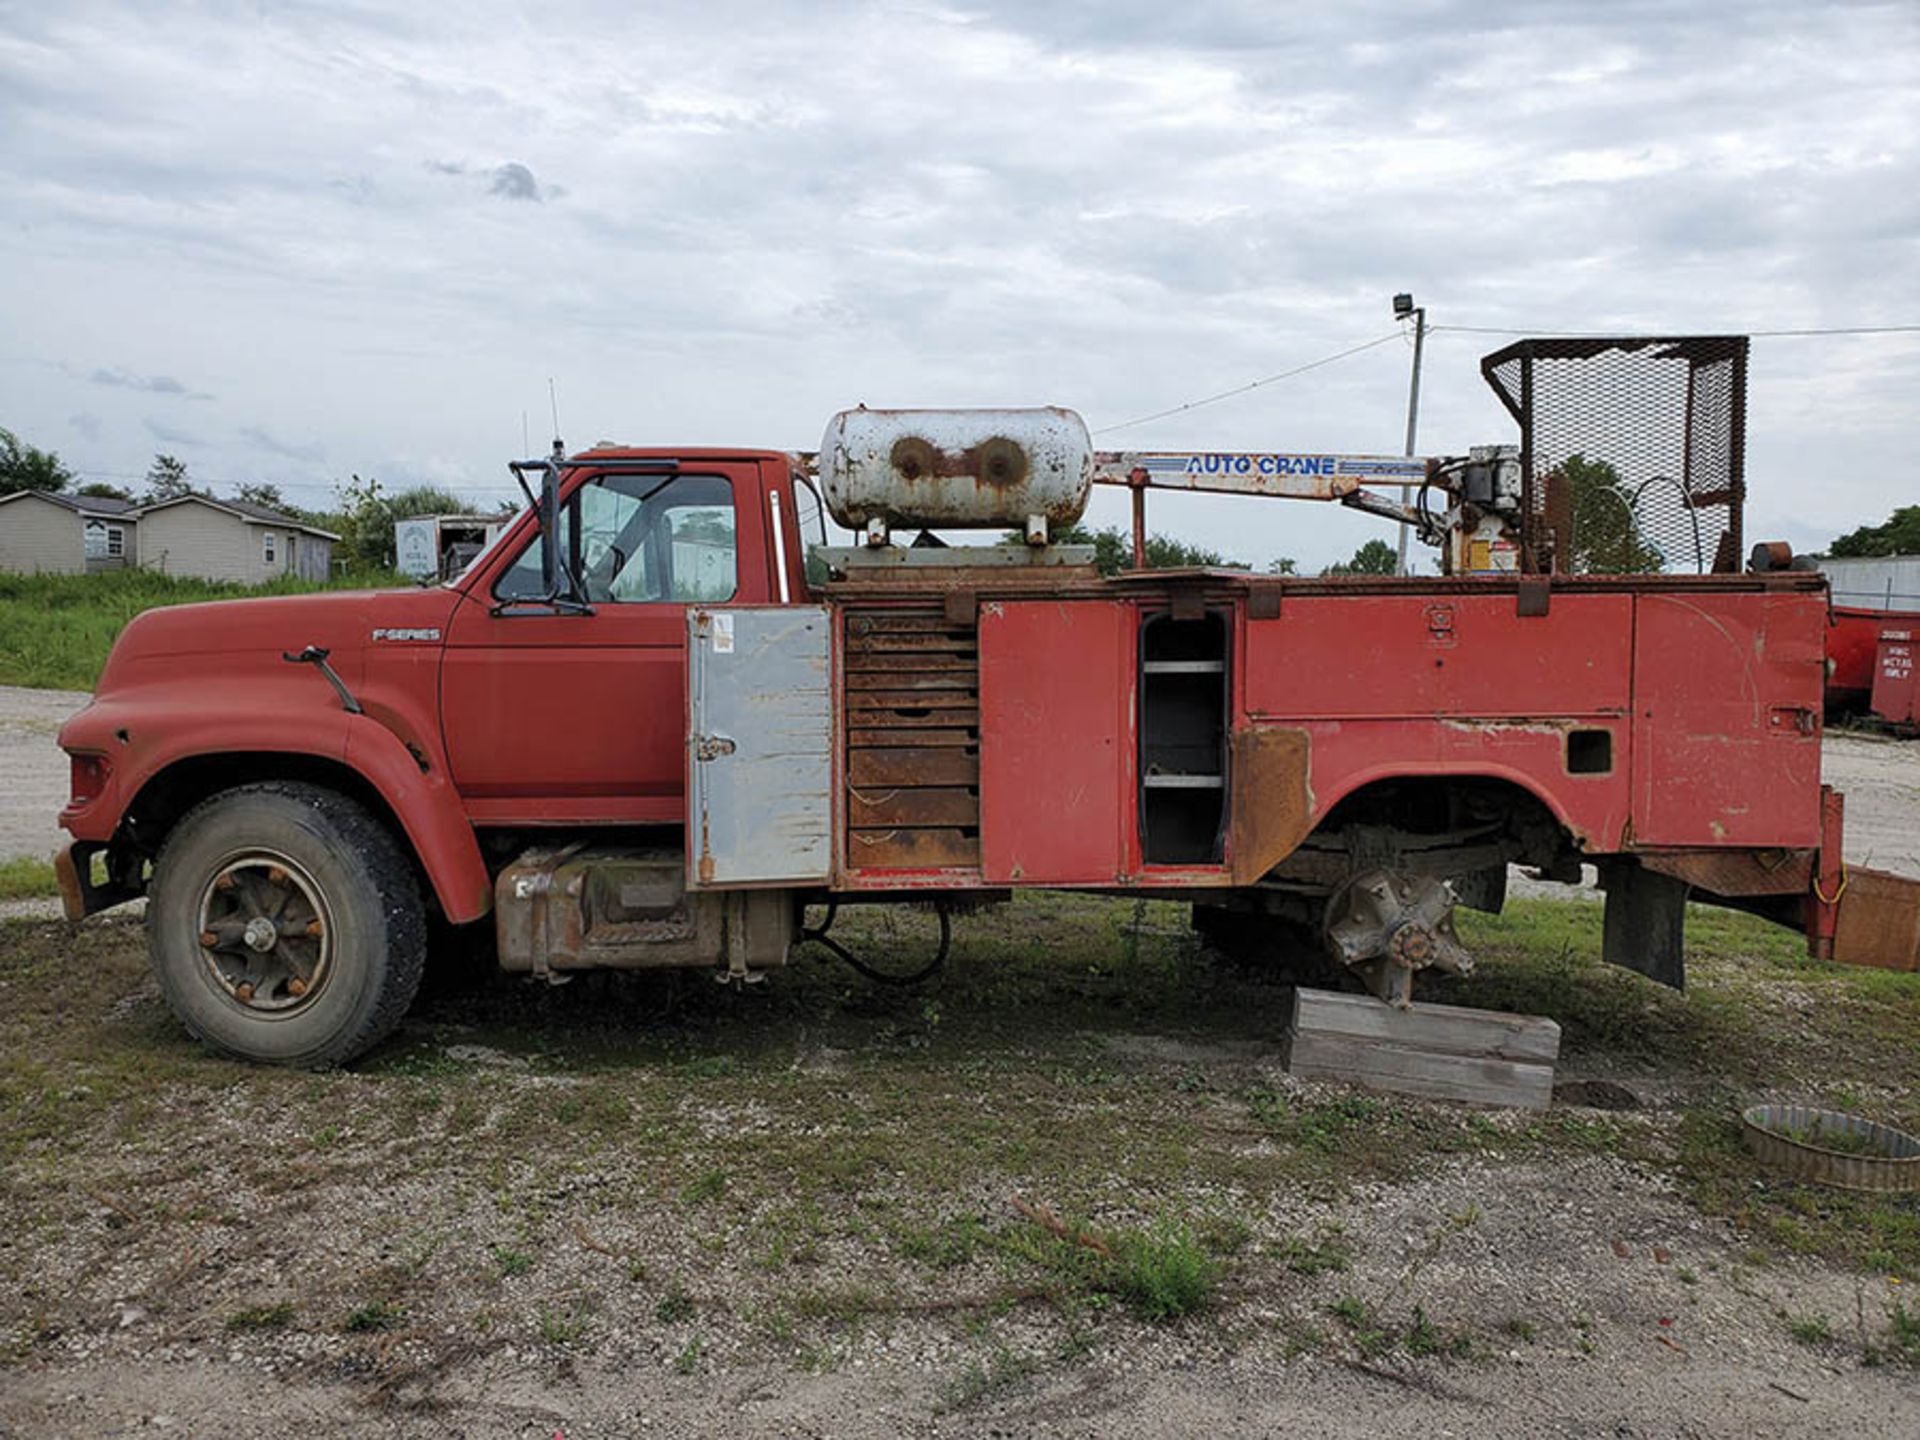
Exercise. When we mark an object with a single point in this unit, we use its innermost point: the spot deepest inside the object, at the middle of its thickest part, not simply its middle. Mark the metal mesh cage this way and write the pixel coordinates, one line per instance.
(1633, 450)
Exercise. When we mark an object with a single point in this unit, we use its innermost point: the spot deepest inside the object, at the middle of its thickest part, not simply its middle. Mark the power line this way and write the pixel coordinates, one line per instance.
(1548, 332)
(1250, 385)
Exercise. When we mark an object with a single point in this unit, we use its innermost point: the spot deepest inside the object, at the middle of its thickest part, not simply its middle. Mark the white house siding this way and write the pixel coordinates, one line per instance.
(198, 540)
(40, 537)
(129, 555)
(284, 542)
(316, 557)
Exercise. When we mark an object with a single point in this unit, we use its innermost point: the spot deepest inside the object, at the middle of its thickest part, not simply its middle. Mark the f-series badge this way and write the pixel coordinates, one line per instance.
(404, 636)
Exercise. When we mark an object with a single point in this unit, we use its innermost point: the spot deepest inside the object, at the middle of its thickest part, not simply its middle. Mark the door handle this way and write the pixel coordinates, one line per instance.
(711, 747)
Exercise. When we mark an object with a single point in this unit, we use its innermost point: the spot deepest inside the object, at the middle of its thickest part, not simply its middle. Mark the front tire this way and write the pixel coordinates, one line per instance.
(285, 926)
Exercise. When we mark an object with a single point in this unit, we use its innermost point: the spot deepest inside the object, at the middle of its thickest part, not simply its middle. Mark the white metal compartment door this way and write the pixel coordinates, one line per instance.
(759, 746)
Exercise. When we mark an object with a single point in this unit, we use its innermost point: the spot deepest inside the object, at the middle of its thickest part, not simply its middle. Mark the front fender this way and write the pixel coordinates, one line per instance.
(431, 813)
(147, 734)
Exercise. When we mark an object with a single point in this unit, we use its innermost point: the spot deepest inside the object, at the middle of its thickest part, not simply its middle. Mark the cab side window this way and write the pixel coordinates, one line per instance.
(641, 538)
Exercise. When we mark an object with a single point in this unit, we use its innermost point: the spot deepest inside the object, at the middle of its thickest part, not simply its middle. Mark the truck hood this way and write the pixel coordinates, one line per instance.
(226, 639)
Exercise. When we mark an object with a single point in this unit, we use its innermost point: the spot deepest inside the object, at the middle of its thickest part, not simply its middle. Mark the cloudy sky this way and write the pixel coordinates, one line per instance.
(289, 241)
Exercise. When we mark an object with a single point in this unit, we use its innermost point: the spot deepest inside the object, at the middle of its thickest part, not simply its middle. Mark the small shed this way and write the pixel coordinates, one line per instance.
(232, 540)
(438, 547)
(51, 534)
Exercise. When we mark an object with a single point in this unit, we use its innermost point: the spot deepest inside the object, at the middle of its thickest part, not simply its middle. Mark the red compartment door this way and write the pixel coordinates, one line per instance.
(1056, 741)
(1726, 731)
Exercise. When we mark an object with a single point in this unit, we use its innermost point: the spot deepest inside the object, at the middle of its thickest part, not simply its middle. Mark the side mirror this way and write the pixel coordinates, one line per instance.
(548, 517)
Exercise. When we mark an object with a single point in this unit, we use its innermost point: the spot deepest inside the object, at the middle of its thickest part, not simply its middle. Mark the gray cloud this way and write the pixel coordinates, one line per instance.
(87, 425)
(514, 181)
(168, 435)
(124, 379)
(312, 451)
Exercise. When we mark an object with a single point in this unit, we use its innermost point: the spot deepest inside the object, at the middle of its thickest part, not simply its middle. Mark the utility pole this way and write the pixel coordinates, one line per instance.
(1403, 306)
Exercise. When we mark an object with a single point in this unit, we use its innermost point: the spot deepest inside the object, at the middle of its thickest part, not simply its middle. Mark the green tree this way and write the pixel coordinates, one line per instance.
(101, 490)
(360, 504)
(167, 479)
(1113, 549)
(1606, 532)
(1900, 535)
(1376, 557)
(22, 467)
(259, 492)
(369, 538)
(1282, 565)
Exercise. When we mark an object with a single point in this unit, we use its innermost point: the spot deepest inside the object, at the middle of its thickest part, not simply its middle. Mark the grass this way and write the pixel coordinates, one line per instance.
(562, 1325)
(1327, 1252)
(373, 1318)
(674, 1306)
(1810, 1329)
(56, 630)
(510, 1262)
(26, 878)
(1161, 1272)
(262, 1317)
(1164, 1273)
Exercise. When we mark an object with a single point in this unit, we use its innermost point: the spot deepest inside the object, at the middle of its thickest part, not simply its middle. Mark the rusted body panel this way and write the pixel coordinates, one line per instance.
(1272, 806)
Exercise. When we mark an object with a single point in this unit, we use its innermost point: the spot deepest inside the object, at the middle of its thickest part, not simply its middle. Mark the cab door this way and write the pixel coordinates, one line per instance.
(555, 718)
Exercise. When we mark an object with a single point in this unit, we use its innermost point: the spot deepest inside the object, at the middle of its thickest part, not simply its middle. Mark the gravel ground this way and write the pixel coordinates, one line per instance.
(1881, 779)
(1614, 1346)
(33, 772)
(536, 1214)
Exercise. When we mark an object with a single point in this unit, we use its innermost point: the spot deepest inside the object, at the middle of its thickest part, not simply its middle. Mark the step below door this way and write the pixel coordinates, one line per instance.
(759, 746)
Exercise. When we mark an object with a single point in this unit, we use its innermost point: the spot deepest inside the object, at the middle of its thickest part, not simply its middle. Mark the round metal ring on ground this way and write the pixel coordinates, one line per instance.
(266, 933)
(1827, 1147)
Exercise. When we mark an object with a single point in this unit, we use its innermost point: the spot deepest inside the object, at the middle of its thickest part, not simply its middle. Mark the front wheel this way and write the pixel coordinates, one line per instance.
(285, 925)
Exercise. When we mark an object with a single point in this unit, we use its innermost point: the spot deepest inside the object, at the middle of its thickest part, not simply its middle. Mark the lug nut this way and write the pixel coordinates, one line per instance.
(225, 882)
(209, 939)
(296, 987)
(315, 928)
(276, 876)
(243, 992)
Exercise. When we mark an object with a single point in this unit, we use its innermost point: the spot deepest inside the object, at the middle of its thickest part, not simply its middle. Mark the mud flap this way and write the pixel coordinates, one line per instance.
(1646, 921)
(1483, 890)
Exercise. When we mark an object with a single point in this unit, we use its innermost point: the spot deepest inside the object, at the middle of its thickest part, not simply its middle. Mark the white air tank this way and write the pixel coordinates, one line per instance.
(957, 469)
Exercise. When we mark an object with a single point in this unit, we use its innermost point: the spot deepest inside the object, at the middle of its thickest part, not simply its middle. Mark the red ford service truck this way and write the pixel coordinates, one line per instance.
(660, 716)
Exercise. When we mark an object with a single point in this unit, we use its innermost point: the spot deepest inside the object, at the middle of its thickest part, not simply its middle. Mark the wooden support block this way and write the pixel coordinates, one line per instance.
(1439, 1052)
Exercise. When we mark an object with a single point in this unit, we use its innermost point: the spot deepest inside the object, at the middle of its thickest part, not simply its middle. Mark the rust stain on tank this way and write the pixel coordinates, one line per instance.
(997, 463)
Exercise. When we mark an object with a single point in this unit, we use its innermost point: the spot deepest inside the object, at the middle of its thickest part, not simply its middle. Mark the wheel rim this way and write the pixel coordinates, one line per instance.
(266, 934)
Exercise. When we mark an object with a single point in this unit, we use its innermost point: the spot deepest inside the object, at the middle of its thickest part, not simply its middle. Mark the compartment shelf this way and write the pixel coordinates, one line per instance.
(1183, 667)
